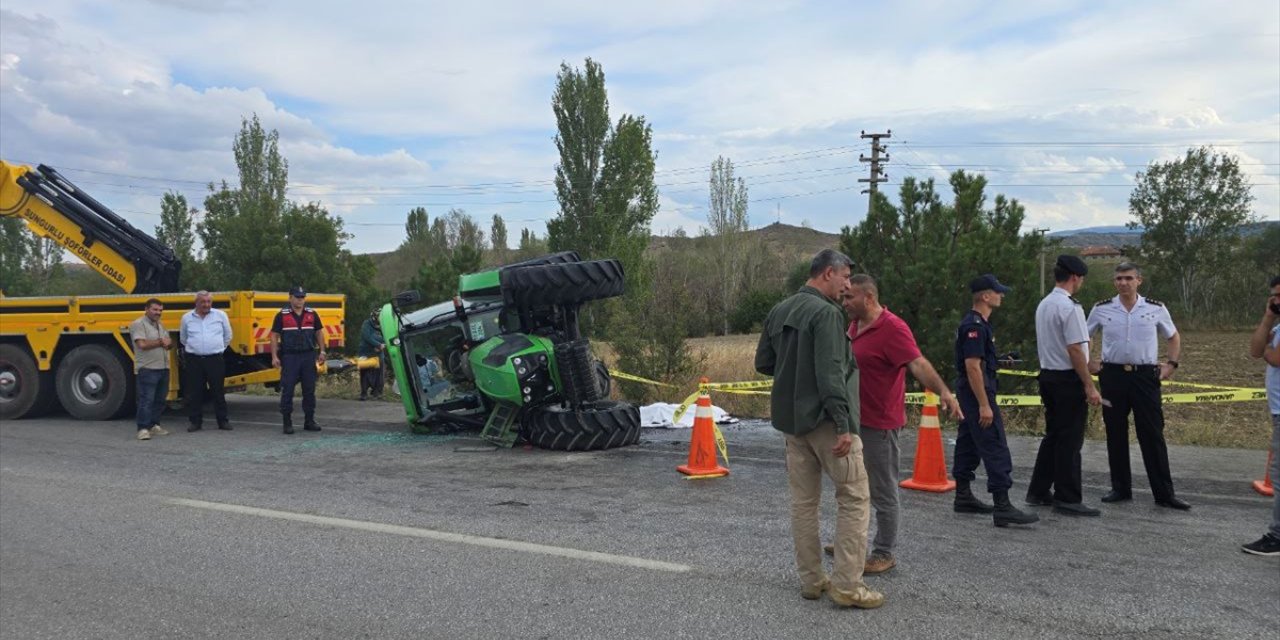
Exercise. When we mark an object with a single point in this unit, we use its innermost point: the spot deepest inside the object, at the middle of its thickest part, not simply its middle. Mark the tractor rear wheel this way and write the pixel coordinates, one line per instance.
(564, 283)
(590, 427)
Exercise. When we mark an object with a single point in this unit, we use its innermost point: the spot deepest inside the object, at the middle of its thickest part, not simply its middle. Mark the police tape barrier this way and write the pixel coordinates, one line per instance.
(626, 376)
(1167, 383)
(1212, 393)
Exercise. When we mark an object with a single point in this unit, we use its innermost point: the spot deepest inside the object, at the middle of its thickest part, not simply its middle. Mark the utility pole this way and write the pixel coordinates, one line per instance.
(877, 174)
(1043, 249)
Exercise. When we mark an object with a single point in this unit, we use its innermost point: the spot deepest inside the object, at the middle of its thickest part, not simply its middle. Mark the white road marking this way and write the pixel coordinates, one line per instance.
(443, 536)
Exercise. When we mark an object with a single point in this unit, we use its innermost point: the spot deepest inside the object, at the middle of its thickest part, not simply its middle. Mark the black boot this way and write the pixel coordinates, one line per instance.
(309, 424)
(288, 423)
(966, 502)
(1006, 514)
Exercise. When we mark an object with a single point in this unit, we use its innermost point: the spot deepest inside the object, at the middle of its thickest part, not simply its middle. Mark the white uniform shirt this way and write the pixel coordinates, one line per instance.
(1129, 336)
(1059, 322)
(207, 336)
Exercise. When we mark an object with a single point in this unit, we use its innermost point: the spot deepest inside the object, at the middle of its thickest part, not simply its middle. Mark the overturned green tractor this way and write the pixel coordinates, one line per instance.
(506, 357)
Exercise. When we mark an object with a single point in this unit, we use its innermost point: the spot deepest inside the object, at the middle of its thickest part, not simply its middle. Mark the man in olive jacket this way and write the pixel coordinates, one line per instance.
(814, 403)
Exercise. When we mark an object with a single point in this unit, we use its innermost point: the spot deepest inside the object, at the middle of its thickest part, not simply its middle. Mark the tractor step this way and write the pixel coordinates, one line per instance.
(498, 428)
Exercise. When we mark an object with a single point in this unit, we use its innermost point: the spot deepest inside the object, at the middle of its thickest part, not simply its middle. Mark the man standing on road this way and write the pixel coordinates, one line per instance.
(297, 346)
(1130, 377)
(151, 368)
(371, 346)
(885, 349)
(205, 333)
(1265, 344)
(981, 436)
(1066, 390)
(814, 403)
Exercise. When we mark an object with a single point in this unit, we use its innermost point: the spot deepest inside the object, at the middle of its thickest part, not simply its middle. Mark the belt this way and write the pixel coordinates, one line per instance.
(205, 355)
(1129, 368)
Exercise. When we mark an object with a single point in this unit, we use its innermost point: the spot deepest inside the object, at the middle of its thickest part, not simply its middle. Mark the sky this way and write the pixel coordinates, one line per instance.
(385, 106)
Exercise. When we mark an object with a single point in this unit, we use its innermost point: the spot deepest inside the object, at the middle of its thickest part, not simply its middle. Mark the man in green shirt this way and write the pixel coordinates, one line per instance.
(814, 403)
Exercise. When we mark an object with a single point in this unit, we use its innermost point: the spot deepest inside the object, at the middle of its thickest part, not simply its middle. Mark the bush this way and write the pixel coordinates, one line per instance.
(749, 316)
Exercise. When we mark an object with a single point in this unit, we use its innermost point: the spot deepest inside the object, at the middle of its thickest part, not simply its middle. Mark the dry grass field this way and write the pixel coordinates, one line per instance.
(1209, 357)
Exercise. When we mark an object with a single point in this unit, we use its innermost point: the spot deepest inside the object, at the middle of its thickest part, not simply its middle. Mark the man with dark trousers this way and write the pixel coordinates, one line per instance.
(1129, 375)
(1066, 390)
(981, 436)
(205, 334)
(297, 346)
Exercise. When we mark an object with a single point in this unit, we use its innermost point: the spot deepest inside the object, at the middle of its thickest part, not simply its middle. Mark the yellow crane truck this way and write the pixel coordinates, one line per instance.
(76, 350)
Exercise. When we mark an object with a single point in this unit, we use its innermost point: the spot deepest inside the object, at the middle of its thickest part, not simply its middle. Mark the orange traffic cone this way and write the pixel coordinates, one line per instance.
(1264, 486)
(702, 446)
(930, 473)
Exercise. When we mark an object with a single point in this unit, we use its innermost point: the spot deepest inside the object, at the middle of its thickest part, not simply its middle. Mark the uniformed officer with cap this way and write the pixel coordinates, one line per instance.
(1066, 390)
(1129, 375)
(297, 346)
(981, 436)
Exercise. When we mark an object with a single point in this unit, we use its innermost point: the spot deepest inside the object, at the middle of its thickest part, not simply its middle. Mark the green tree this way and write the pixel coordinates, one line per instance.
(498, 236)
(923, 252)
(244, 227)
(1191, 210)
(531, 246)
(651, 336)
(456, 247)
(14, 248)
(255, 238)
(604, 179)
(727, 221)
(177, 230)
(416, 227)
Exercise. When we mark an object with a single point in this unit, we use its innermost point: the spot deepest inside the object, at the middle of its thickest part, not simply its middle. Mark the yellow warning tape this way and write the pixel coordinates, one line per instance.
(1211, 393)
(627, 376)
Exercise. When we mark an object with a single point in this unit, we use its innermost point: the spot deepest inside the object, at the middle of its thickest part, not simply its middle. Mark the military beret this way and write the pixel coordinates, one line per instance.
(1072, 264)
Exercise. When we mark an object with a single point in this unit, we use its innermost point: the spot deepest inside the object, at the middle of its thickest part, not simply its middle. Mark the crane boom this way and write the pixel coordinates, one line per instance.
(55, 208)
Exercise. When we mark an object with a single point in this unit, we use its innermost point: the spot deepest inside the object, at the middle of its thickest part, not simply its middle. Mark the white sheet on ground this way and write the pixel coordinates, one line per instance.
(659, 414)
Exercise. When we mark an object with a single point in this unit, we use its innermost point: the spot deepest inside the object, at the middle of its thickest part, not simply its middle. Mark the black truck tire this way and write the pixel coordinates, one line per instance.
(565, 283)
(591, 427)
(25, 390)
(95, 383)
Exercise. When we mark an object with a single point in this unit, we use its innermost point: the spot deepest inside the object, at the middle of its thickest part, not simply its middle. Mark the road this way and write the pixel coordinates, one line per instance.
(366, 531)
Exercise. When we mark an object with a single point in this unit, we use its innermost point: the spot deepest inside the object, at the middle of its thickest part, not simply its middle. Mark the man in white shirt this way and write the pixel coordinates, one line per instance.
(1062, 342)
(205, 335)
(1129, 374)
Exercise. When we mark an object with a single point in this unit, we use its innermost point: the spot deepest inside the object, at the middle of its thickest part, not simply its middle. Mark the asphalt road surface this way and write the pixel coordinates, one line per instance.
(366, 531)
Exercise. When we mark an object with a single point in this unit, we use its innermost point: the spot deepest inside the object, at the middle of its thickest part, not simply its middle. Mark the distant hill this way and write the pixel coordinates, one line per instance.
(1119, 235)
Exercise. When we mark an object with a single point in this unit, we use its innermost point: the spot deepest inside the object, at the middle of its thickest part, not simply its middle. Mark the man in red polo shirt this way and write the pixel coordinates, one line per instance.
(885, 349)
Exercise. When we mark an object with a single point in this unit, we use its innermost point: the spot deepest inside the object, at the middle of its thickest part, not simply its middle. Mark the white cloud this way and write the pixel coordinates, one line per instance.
(394, 105)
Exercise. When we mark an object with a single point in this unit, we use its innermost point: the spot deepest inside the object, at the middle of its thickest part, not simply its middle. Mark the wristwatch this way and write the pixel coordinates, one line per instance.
(1172, 363)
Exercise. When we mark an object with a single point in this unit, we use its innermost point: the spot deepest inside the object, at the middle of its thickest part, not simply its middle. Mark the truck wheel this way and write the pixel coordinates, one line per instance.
(95, 384)
(566, 283)
(25, 390)
(591, 427)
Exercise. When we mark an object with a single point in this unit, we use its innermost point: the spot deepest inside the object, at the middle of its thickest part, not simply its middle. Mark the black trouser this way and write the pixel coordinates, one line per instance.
(1058, 461)
(202, 372)
(371, 380)
(295, 368)
(975, 444)
(1137, 389)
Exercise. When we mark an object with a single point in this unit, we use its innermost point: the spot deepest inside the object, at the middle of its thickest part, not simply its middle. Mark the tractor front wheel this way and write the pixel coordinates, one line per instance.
(589, 427)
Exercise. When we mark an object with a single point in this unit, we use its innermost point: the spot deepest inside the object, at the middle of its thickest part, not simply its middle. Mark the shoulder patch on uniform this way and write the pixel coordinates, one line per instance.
(1155, 302)
(1102, 302)
(1073, 299)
